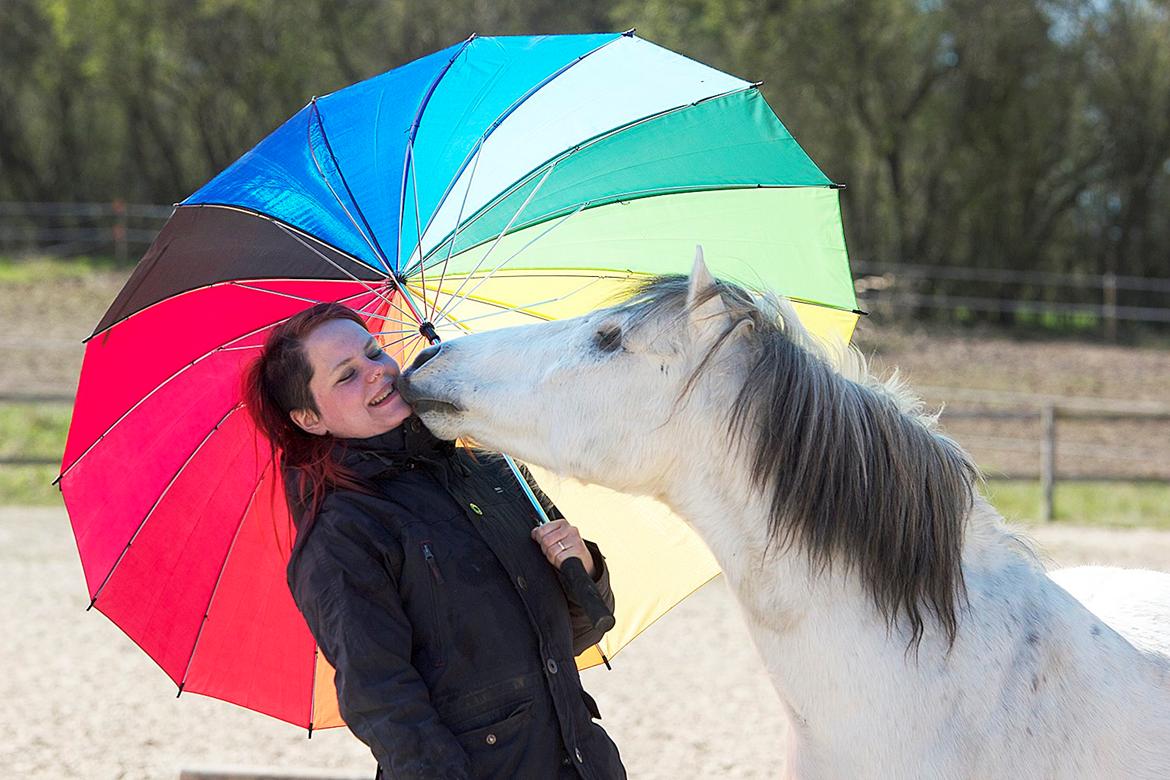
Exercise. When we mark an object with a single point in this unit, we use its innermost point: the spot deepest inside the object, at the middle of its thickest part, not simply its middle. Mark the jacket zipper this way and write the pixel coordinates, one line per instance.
(440, 655)
(429, 555)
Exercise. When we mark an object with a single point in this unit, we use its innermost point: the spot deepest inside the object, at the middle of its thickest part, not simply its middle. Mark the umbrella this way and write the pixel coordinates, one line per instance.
(498, 181)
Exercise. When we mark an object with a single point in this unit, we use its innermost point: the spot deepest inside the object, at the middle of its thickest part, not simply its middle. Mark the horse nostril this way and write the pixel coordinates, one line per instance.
(424, 356)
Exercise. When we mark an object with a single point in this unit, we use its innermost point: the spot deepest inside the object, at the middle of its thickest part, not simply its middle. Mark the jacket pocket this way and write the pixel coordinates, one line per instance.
(499, 748)
(438, 619)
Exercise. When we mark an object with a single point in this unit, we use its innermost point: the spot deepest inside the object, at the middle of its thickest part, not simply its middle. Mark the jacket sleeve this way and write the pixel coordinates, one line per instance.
(351, 603)
(584, 635)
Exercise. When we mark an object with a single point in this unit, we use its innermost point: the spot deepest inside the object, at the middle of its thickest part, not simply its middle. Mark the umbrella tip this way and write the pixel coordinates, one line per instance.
(630, 32)
(180, 693)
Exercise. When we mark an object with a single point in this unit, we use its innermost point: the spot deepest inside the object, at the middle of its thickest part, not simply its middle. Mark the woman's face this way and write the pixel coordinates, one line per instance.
(353, 384)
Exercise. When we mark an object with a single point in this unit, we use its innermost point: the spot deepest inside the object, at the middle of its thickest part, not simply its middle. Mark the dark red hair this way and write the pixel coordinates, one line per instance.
(276, 384)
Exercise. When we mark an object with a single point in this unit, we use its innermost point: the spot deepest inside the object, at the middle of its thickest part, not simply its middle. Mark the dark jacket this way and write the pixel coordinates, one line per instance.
(451, 636)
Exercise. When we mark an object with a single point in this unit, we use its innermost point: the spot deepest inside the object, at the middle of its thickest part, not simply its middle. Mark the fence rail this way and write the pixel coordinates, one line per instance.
(1106, 298)
(964, 405)
(123, 230)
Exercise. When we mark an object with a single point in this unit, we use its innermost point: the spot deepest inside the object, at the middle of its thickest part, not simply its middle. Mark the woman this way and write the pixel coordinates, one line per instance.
(420, 573)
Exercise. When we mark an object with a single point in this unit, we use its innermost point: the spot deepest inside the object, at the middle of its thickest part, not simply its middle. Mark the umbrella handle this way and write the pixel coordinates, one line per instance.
(583, 590)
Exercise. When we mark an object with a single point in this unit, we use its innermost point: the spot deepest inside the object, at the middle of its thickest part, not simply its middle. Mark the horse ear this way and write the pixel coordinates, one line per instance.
(705, 307)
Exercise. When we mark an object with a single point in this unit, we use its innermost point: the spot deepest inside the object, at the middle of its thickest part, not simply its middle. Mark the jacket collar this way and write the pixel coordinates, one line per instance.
(391, 451)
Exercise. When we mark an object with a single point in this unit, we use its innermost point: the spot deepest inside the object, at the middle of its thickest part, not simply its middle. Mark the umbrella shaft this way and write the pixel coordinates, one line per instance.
(427, 329)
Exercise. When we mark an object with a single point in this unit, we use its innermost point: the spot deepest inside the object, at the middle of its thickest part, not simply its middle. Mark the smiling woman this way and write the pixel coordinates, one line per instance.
(355, 395)
(420, 574)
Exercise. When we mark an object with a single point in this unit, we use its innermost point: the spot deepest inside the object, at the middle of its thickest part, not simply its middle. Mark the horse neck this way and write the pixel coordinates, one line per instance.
(823, 642)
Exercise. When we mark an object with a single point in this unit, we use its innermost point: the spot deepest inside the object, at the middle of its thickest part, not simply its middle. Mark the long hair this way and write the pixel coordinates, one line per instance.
(854, 469)
(275, 384)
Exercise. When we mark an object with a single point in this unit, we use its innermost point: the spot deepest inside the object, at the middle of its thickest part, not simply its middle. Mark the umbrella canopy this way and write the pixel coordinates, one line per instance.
(498, 181)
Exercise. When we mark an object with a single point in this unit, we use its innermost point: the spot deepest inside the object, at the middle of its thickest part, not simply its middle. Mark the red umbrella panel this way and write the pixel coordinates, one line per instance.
(186, 551)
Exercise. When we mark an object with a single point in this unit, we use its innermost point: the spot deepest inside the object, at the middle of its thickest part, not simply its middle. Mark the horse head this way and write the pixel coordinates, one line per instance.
(614, 397)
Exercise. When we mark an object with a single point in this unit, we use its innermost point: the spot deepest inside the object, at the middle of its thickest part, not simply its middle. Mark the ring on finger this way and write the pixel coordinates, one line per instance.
(561, 546)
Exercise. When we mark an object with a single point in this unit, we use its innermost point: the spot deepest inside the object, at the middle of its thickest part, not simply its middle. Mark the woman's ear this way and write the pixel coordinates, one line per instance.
(308, 421)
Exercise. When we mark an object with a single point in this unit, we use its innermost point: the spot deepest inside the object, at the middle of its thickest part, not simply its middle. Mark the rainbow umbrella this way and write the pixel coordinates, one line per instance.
(498, 181)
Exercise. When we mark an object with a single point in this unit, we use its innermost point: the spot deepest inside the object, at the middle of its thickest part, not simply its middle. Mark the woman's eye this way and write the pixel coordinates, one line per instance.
(346, 376)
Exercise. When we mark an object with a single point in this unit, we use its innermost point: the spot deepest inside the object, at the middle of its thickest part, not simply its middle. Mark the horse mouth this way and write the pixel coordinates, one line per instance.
(425, 406)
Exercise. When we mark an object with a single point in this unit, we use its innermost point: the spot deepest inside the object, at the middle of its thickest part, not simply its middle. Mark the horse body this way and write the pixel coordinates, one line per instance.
(849, 611)
(1035, 685)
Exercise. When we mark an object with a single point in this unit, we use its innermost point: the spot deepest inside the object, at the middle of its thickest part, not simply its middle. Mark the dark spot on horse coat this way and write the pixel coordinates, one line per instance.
(1032, 638)
(1095, 630)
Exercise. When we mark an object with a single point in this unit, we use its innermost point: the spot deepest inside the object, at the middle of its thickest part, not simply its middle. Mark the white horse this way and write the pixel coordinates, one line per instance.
(908, 632)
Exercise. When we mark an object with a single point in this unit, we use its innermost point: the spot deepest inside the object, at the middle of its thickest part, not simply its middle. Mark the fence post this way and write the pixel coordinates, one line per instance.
(1047, 461)
(1109, 307)
(119, 230)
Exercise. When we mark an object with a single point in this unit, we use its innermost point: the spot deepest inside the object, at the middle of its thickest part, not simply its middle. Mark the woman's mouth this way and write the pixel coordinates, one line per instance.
(383, 396)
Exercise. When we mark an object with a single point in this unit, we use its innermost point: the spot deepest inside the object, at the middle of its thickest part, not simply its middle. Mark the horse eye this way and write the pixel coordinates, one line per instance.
(609, 339)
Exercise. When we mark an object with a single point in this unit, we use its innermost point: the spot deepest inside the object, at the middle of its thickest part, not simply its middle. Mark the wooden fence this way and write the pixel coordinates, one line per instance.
(982, 408)
(1048, 411)
(1113, 300)
(118, 229)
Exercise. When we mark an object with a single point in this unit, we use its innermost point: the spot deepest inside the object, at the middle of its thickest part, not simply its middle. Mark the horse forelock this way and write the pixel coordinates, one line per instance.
(853, 470)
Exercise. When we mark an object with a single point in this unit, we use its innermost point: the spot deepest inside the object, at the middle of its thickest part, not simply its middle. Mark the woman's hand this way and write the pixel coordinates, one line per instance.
(559, 540)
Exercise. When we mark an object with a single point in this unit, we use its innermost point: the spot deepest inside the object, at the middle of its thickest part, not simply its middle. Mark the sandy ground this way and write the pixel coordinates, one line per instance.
(688, 699)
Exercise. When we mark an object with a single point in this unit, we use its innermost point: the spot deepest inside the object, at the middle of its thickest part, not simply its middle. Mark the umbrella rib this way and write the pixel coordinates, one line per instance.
(219, 575)
(504, 232)
(209, 285)
(500, 120)
(641, 195)
(566, 153)
(413, 131)
(417, 221)
(443, 315)
(161, 384)
(159, 499)
(306, 300)
(372, 239)
(455, 237)
(287, 227)
(362, 282)
(492, 273)
(520, 308)
(313, 685)
(396, 341)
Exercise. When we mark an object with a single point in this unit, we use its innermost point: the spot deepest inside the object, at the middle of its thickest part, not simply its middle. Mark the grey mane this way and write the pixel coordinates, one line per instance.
(855, 472)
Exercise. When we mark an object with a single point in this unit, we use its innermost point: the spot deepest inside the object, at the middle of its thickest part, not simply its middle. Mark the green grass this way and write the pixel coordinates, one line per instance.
(29, 486)
(21, 270)
(31, 431)
(1106, 504)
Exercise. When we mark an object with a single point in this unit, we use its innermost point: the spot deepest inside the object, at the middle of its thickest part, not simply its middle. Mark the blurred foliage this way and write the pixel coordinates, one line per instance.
(1021, 134)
